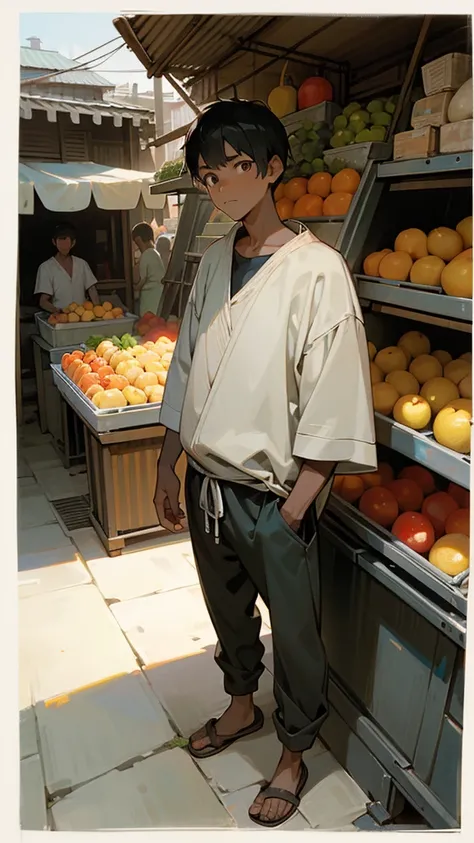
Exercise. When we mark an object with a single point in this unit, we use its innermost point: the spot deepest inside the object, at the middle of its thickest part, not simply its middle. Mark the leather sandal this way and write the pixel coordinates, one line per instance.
(217, 743)
(279, 793)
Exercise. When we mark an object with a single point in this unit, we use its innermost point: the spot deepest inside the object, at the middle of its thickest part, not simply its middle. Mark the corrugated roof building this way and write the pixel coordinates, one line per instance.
(38, 64)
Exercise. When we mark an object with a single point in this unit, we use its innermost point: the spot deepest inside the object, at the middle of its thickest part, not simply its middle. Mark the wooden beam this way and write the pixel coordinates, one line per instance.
(182, 93)
(122, 26)
(410, 74)
(180, 132)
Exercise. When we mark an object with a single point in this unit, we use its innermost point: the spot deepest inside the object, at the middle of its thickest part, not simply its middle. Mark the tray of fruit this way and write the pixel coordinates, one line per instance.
(438, 262)
(423, 403)
(414, 519)
(113, 385)
(73, 324)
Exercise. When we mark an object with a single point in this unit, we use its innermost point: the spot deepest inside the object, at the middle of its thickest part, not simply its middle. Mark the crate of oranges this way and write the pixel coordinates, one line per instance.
(322, 195)
(72, 324)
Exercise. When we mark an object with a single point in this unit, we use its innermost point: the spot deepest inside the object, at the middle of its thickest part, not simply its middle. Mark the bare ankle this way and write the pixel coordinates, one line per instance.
(243, 703)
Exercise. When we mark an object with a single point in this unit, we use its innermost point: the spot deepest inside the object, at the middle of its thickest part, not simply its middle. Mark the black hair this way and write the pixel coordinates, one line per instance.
(248, 127)
(143, 230)
(64, 229)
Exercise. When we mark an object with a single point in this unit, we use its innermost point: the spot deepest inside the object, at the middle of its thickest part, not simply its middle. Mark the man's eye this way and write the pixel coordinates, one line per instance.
(244, 166)
(210, 180)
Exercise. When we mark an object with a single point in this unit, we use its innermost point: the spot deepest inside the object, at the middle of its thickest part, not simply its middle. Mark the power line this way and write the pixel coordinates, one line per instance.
(118, 38)
(88, 65)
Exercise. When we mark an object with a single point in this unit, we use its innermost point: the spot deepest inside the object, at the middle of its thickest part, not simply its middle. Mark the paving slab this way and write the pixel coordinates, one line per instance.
(91, 732)
(89, 545)
(143, 572)
(249, 761)
(32, 562)
(57, 483)
(238, 805)
(28, 738)
(32, 795)
(41, 456)
(39, 539)
(22, 468)
(168, 626)
(69, 640)
(30, 434)
(164, 791)
(34, 511)
(52, 578)
(332, 799)
(192, 690)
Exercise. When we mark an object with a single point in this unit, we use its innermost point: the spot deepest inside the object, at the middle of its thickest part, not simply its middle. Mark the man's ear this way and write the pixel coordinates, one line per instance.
(73, 243)
(275, 169)
(53, 241)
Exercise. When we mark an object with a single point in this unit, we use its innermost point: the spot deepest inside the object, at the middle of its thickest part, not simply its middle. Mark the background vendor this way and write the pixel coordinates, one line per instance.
(64, 278)
(149, 285)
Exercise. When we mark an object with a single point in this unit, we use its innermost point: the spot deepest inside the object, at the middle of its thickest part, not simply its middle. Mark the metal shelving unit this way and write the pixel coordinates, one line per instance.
(403, 295)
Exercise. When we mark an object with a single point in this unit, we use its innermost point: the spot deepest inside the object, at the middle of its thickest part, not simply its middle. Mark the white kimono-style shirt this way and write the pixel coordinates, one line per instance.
(53, 280)
(276, 376)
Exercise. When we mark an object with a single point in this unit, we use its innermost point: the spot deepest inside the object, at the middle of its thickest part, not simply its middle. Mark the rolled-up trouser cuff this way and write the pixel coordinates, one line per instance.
(240, 687)
(304, 738)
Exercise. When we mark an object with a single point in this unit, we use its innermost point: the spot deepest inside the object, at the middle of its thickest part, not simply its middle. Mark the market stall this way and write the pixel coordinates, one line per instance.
(100, 200)
(395, 554)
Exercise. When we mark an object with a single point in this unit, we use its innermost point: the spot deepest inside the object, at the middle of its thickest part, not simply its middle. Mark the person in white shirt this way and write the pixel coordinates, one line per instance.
(64, 278)
(149, 287)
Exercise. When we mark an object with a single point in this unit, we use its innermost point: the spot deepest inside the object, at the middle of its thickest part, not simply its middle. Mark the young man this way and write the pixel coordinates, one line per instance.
(64, 278)
(149, 287)
(269, 394)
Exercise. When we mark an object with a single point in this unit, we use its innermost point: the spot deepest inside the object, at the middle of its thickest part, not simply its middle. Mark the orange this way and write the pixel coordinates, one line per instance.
(372, 262)
(422, 477)
(346, 181)
(116, 313)
(87, 316)
(350, 488)
(320, 184)
(279, 193)
(444, 243)
(451, 554)
(284, 208)
(308, 206)
(395, 266)
(73, 317)
(413, 241)
(458, 522)
(296, 188)
(99, 311)
(88, 305)
(380, 505)
(107, 305)
(337, 204)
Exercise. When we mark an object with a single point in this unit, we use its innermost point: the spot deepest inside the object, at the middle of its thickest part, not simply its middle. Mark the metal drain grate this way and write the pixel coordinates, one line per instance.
(73, 512)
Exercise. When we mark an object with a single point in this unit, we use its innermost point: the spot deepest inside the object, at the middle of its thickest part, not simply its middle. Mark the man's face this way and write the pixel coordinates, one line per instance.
(64, 245)
(237, 188)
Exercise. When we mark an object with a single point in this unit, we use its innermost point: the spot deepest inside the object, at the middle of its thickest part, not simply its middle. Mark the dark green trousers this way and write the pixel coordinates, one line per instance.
(258, 553)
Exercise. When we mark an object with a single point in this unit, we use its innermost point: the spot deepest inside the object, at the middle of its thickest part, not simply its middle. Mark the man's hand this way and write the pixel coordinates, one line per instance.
(291, 518)
(170, 515)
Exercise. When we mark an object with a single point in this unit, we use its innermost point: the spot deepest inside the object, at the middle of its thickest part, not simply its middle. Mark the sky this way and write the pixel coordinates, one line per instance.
(73, 34)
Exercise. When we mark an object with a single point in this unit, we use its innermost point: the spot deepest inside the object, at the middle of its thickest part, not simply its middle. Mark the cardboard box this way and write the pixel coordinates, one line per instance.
(431, 111)
(447, 73)
(419, 143)
(456, 137)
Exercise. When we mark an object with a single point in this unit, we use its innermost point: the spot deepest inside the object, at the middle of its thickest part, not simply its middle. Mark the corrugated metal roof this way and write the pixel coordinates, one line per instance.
(191, 46)
(76, 108)
(43, 61)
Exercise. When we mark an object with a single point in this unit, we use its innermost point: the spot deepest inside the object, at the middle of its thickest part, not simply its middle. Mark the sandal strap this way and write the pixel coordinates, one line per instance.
(280, 793)
(211, 733)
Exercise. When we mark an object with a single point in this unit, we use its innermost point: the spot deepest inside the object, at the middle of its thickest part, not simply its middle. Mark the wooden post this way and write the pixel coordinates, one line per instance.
(182, 93)
(127, 258)
(410, 75)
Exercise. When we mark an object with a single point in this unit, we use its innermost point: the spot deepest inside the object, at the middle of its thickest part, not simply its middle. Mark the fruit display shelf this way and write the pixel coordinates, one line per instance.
(426, 166)
(103, 421)
(75, 333)
(414, 297)
(421, 447)
(416, 566)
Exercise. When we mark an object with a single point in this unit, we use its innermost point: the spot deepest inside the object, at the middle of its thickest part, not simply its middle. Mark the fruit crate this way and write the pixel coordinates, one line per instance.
(323, 113)
(75, 333)
(356, 155)
(447, 73)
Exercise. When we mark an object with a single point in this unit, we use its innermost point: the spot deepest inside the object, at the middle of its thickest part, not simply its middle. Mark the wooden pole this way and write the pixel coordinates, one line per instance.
(410, 75)
(182, 93)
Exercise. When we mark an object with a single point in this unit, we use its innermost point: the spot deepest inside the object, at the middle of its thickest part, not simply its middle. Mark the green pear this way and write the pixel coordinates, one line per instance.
(351, 108)
(374, 106)
(340, 122)
(381, 118)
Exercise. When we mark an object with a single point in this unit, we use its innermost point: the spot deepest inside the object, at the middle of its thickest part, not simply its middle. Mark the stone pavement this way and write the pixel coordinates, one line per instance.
(116, 666)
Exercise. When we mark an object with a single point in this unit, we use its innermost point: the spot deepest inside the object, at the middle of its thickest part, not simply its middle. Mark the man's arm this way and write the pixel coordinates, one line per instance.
(90, 282)
(311, 479)
(168, 510)
(45, 303)
(93, 294)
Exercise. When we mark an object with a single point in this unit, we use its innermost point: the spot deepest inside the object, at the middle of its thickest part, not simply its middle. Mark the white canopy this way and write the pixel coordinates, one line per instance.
(66, 188)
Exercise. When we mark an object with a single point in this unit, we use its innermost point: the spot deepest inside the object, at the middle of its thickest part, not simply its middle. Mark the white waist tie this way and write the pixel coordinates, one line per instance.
(213, 508)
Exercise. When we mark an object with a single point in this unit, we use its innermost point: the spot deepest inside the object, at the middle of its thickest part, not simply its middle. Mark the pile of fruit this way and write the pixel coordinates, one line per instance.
(121, 343)
(363, 125)
(111, 377)
(322, 195)
(170, 170)
(86, 312)
(150, 327)
(419, 388)
(443, 258)
(430, 521)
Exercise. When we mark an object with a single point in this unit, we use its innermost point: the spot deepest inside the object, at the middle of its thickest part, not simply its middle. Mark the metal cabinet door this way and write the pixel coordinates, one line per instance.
(446, 778)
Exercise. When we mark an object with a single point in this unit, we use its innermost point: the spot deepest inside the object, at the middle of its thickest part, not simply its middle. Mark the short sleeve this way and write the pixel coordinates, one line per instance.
(44, 282)
(89, 277)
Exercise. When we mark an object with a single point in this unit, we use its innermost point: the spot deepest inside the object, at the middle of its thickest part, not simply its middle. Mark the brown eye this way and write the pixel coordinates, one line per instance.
(244, 166)
(210, 180)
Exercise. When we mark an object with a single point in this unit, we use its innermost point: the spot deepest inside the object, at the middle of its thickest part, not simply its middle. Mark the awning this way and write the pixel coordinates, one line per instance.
(84, 108)
(66, 188)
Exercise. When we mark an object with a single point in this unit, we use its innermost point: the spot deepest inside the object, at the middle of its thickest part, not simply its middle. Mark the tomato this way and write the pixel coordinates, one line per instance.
(460, 495)
(408, 494)
(414, 530)
(379, 504)
(420, 475)
(437, 507)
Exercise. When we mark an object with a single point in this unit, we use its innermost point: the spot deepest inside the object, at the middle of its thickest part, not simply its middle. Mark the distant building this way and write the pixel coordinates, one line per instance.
(71, 114)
